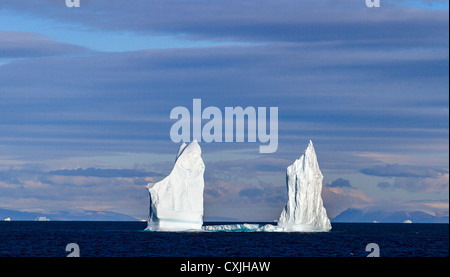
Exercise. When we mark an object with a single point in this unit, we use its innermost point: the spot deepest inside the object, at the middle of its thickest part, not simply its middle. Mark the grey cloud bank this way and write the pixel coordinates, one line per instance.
(397, 170)
(27, 45)
(411, 178)
(255, 21)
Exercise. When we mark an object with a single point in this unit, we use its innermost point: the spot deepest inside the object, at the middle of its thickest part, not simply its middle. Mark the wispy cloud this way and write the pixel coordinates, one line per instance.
(103, 173)
(27, 45)
(411, 178)
(254, 21)
(91, 188)
(421, 4)
(397, 170)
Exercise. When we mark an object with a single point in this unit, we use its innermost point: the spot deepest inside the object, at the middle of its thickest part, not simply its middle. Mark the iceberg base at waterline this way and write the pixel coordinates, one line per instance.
(242, 227)
(177, 226)
(254, 227)
(173, 222)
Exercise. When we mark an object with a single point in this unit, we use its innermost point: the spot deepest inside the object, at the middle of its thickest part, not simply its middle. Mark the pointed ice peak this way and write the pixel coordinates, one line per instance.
(194, 144)
(310, 148)
(192, 147)
(307, 160)
(180, 150)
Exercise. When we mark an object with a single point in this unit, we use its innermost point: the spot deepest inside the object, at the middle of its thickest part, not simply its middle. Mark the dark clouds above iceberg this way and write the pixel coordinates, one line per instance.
(259, 21)
(112, 98)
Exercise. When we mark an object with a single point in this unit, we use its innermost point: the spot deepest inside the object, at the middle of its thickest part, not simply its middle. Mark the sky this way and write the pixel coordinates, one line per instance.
(86, 94)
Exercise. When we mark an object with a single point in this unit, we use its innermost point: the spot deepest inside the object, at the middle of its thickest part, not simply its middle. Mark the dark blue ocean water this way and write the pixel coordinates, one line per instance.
(127, 239)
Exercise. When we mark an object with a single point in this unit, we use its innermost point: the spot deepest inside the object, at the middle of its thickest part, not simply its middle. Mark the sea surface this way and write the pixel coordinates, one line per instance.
(128, 239)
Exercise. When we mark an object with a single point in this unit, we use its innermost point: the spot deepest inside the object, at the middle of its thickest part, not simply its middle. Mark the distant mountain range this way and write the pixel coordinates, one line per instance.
(356, 215)
(84, 215)
(349, 215)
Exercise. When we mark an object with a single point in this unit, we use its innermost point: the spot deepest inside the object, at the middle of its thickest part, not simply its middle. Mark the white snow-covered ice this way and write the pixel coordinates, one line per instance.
(176, 202)
(41, 218)
(244, 227)
(304, 211)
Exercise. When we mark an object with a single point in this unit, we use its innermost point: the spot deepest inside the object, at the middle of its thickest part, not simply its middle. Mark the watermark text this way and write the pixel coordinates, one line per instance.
(73, 3)
(212, 130)
(373, 3)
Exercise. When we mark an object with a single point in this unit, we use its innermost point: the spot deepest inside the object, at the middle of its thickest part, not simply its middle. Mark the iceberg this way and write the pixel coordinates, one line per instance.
(176, 202)
(304, 211)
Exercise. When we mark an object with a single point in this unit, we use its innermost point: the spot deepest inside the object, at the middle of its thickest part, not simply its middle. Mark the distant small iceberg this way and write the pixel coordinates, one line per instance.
(7, 219)
(41, 218)
(407, 221)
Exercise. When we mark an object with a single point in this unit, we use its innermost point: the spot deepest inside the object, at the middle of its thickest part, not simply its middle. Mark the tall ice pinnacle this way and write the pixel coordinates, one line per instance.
(176, 202)
(304, 210)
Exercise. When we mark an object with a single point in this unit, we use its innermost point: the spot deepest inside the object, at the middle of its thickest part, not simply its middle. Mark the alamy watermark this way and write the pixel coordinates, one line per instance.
(73, 3)
(373, 3)
(74, 250)
(212, 131)
(369, 3)
(374, 250)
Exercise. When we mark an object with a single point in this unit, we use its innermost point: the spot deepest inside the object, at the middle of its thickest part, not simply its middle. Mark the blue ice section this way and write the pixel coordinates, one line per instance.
(244, 227)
